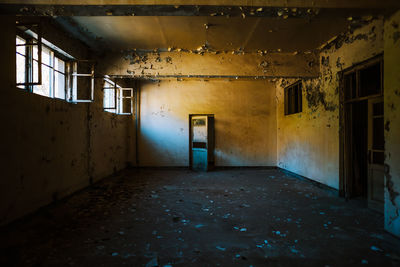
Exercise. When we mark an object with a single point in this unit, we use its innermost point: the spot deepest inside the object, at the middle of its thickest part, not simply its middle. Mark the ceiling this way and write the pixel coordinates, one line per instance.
(219, 33)
(250, 26)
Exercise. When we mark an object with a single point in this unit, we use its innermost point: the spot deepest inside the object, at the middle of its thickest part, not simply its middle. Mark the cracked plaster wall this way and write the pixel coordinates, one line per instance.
(308, 142)
(52, 148)
(206, 62)
(392, 124)
(245, 121)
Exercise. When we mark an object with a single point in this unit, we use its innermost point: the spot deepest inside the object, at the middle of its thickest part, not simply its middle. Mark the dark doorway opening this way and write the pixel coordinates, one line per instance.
(358, 121)
(361, 134)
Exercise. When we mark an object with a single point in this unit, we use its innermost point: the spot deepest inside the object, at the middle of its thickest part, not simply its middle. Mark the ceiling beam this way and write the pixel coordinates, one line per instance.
(186, 10)
(176, 64)
(254, 3)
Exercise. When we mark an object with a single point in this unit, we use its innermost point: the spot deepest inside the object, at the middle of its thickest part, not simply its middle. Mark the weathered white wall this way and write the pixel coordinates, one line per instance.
(245, 121)
(392, 124)
(52, 148)
(308, 142)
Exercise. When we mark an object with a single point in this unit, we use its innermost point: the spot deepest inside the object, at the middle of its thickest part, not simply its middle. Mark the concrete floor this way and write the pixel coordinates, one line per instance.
(239, 217)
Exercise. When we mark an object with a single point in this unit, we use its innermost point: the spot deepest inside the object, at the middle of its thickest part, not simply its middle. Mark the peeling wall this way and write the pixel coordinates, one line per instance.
(208, 62)
(245, 121)
(392, 124)
(52, 148)
(308, 142)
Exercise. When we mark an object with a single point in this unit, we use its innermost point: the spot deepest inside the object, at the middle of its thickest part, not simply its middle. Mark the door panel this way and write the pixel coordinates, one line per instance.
(376, 144)
(202, 142)
(199, 143)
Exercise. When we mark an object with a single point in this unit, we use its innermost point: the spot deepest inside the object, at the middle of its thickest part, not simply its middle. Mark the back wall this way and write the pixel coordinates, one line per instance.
(245, 121)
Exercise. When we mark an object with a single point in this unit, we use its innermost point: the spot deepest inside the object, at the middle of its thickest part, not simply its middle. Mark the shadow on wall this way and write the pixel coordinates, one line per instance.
(292, 159)
(245, 121)
(163, 139)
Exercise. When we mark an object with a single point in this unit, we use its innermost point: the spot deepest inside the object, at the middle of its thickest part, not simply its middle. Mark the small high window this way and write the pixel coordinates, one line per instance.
(293, 99)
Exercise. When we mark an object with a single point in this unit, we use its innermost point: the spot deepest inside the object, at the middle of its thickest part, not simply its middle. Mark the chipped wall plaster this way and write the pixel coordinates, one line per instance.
(158, 64)
(52, 148)
(392, 124)
(245, 121)
(308, 142)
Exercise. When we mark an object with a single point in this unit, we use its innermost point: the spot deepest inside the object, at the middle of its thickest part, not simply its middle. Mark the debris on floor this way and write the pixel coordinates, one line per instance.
(181, 218)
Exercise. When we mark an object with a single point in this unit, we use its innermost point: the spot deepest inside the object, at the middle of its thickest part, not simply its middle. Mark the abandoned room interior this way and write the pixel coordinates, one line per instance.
(200, 133)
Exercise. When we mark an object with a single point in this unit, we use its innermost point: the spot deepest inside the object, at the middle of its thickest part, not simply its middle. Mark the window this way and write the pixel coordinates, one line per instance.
(364, 81)
(44, 69)
(28, 55)
(21, 61)
(51, 67)
(293, 99)
(116, 99)
(82, 81)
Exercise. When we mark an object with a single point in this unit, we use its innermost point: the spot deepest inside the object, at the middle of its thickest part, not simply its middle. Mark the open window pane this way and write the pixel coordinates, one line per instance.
(44, 88)
(109, 98)
(28, 45)
(82, 86)
(125, 101)
(127, 106)
(21, 70)
(21, 49)
(59, 85)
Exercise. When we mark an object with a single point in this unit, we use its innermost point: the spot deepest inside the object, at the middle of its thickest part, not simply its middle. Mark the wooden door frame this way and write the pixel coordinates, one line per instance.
(344, 169)
(190, 136)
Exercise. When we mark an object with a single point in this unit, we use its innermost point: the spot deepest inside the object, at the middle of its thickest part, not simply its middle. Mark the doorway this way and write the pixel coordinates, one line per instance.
(362, 134)
(201, 142)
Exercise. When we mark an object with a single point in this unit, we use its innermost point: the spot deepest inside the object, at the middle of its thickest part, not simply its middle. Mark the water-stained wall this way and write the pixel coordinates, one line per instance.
(308, 142)
(52, 148)
(392, 124)
(245, 121)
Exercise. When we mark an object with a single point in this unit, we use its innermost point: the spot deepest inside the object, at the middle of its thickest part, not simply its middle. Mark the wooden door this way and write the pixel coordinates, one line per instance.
(199, 139)
(376, 149)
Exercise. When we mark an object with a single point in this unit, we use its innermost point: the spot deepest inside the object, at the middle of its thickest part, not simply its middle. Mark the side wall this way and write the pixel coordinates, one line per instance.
(392, 124)
(245, 121)
(308, 142)
(52, 148)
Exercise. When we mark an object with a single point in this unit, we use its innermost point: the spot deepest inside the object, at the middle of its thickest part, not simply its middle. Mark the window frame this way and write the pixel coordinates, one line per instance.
(293, 98)
(72, 82)
(355, 71)
(118, 97)
(30, 39)
(29, 68)
(29, 36)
